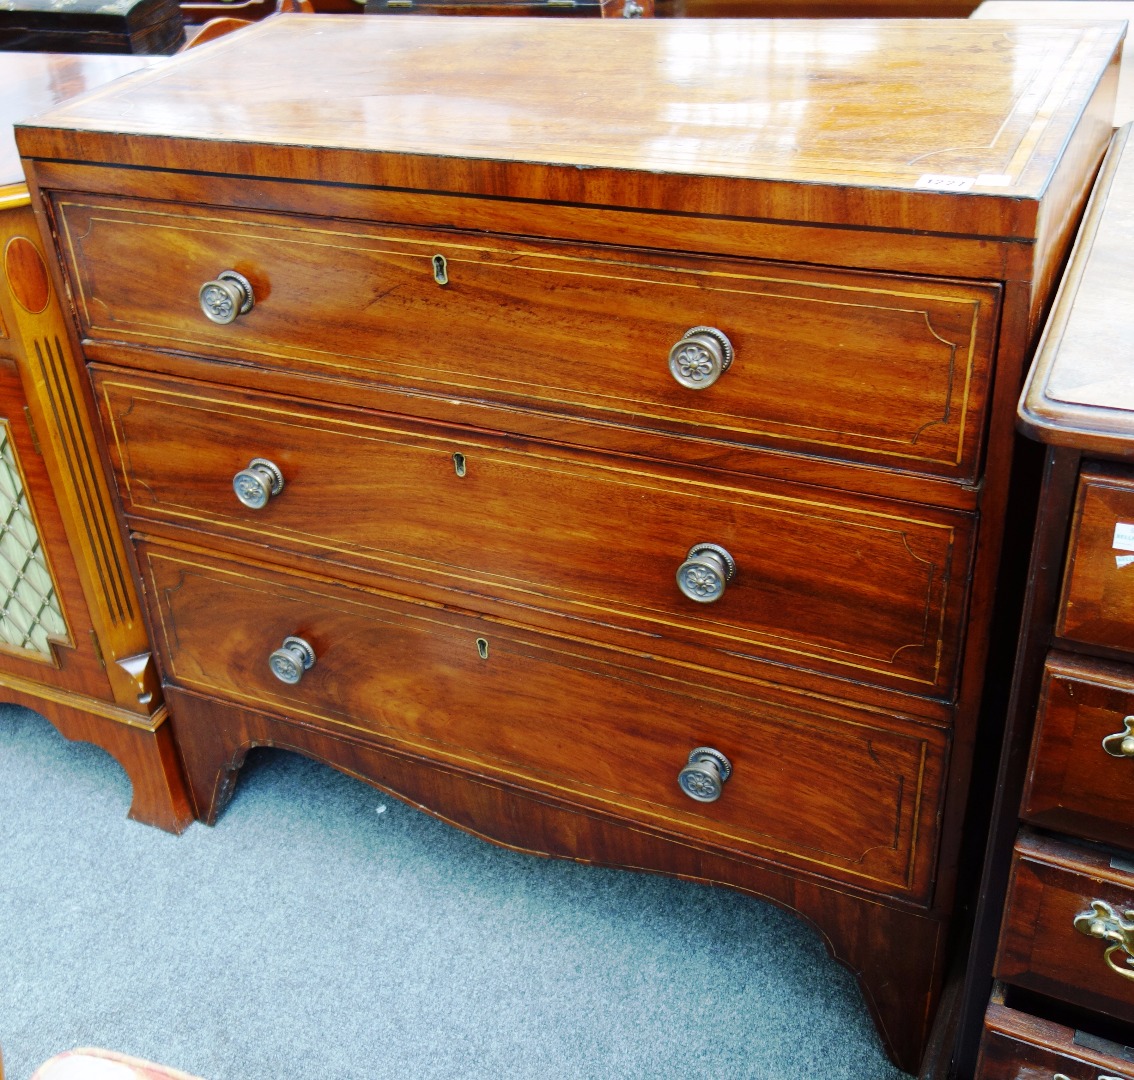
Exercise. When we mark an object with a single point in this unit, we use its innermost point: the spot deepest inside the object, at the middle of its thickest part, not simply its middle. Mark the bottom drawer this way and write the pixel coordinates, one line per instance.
(818, 785)
(1017, 1046)
(1068, 929)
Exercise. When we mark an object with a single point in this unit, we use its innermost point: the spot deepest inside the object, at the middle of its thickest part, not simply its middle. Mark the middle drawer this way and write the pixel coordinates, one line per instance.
(862, 588)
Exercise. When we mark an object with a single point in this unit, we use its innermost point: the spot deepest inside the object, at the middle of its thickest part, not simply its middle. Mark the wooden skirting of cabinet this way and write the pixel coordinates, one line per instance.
(625, 485)
(1053, 925)
(73, 640)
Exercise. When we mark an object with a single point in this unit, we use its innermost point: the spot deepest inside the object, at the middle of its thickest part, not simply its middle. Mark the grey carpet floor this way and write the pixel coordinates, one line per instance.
(323, 930)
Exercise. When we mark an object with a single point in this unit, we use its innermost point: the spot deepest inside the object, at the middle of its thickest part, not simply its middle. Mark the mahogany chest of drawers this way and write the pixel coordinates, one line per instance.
(1065, 1003)
(602, 443)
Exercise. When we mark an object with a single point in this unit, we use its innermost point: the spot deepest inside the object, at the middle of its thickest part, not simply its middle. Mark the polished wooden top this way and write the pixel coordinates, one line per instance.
(31, 83)
(1080, 391)
(1075, 10)
(951, 126)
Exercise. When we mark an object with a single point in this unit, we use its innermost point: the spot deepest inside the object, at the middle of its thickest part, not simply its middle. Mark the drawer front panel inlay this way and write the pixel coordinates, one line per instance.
(888, 370)
(561, 717)
(865, 588)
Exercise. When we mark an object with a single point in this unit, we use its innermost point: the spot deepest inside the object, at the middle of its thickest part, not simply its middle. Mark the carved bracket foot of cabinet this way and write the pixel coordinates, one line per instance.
(896, 954)
(148, 757)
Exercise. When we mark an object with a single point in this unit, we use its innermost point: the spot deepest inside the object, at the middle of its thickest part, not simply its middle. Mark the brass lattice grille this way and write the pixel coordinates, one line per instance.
(29, 608)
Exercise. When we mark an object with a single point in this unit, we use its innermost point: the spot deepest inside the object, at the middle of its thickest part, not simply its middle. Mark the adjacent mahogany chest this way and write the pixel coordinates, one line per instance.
(597, 433)
(1059, 887)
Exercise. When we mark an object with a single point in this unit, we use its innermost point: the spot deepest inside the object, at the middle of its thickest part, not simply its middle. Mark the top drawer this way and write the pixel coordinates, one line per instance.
(1098, 586)
(886, 370)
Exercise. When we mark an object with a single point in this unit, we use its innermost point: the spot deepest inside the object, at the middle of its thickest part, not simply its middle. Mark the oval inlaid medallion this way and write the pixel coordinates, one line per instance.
(27, 275)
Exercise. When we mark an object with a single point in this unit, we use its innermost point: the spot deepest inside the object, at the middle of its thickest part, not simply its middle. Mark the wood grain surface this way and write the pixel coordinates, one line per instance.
(1077, 400)
(50, 393)
(1016, 1044)
(1074, 11)
(552, 715)
(1081, 390)
(885, 946)
(32, 83)
(1054, 881)
(825, 9)
(877, 211)
(1074, 785)
(794, 121)
(1097, 606)
(875, 368)
(866, 589)
(99, 683)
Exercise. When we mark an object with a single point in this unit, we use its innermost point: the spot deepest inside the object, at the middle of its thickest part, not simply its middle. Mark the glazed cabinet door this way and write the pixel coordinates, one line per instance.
(46, 634)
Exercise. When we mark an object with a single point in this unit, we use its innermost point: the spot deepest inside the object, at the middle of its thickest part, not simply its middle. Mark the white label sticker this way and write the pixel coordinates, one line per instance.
(1124, 536)
(941, 182)
(1123, 560)
(994, 179)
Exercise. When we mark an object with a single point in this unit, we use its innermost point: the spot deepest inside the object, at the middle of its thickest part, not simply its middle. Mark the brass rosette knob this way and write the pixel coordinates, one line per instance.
(703, 778)
(258, 483)
(707, 570)
(226, 297)
(701, 357)
(291, 660)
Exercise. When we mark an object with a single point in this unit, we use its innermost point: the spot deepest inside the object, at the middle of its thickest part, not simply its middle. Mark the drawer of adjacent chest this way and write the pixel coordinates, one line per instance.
(892, 371)
(1098, 592)
(1081, 775)
(863, 588)
(1068, 928)
(825, 787)
(1018, 1046)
